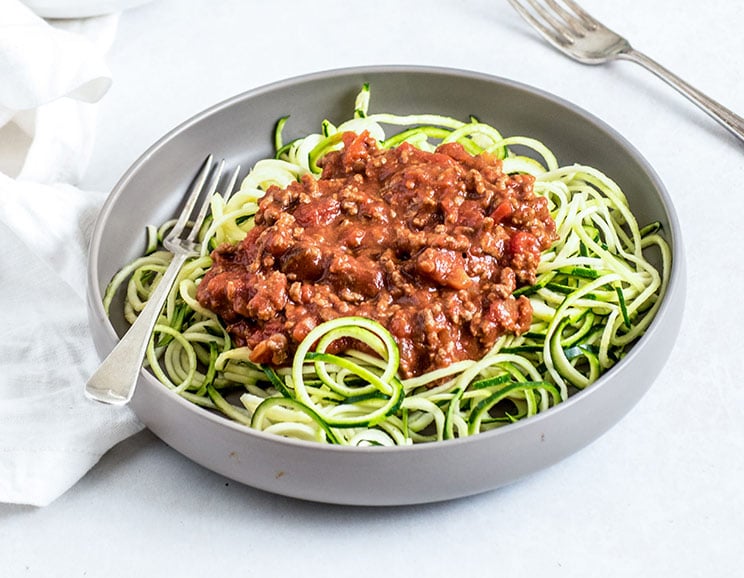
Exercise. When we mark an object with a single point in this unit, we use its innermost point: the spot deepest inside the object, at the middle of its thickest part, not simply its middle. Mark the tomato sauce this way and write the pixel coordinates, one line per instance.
(431, 245)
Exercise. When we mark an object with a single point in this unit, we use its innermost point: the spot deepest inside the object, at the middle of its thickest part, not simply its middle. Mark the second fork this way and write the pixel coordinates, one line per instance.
(574, 32)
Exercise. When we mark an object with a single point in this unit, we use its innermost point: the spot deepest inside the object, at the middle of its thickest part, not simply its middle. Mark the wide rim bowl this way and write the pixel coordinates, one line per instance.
(239, 129)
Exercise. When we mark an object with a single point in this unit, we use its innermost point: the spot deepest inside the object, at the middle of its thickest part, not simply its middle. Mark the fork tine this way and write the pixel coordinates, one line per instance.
(227, 193)
(196, 225)
(230, 189)
(591, 22)
(193, 197)
(550, 33)
(550, 17)
(571, 19)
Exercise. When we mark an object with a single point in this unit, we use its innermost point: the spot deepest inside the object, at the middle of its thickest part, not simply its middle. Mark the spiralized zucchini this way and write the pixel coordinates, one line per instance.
(595, 295)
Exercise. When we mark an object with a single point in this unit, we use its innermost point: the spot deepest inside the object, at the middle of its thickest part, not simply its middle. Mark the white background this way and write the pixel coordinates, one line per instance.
(659, 495)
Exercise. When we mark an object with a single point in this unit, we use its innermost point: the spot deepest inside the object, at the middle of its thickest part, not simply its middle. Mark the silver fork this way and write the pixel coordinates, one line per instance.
(575, 33)
(116, 378)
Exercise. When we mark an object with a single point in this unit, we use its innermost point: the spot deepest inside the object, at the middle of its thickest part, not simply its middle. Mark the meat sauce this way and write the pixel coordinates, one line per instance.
(431, 245)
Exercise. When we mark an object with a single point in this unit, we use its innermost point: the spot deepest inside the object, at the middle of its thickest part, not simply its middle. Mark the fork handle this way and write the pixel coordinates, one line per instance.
(115, 379)
(717, 111)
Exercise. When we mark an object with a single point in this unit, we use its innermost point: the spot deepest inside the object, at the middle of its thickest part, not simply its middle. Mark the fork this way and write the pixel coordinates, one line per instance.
(115, 379)
(574, 32)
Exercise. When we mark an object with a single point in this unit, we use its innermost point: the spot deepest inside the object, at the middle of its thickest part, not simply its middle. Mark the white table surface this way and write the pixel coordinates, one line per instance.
(659, 495)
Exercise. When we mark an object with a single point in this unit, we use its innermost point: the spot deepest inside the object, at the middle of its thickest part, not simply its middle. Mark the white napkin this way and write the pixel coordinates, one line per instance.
(52, 74)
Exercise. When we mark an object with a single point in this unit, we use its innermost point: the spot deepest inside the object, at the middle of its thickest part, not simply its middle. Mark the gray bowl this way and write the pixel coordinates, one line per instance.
(240, 130)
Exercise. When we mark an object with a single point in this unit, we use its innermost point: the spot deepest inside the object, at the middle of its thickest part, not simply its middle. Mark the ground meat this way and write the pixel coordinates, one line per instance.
(431, 245)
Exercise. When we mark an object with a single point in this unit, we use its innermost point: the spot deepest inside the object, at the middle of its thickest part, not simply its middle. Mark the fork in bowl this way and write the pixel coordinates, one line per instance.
(115, 379)
(574, 32)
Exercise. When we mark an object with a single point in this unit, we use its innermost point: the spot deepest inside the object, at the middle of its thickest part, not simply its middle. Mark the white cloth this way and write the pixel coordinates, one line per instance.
(79, 8)
(52, 76)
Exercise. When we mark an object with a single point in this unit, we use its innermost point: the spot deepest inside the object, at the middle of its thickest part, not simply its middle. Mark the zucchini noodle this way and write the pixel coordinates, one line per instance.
(596, 293)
